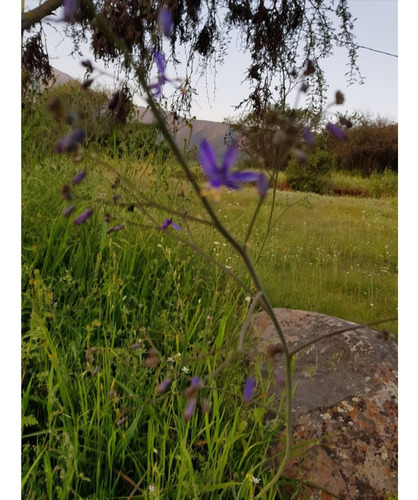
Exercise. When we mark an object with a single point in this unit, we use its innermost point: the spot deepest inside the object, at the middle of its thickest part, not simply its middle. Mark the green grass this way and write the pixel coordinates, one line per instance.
(88, 296)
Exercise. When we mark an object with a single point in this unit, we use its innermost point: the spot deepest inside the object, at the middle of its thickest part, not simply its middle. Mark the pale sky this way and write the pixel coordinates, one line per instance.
(376, 27)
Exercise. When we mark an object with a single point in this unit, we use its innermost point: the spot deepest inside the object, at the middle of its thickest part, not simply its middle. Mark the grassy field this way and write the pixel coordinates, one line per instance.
(95, 305)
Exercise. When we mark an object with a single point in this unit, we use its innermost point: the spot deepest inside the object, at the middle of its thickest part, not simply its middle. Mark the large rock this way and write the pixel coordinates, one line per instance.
(345, 404)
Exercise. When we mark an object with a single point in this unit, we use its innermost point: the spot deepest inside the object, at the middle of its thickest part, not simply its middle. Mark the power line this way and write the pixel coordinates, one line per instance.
(375, 50)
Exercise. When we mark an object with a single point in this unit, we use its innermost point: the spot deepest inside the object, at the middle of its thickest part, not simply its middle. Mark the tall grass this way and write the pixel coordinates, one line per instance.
(93, 425)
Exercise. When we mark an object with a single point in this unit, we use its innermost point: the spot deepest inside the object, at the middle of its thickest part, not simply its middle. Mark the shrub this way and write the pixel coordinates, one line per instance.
(372, 147)
(314, 174)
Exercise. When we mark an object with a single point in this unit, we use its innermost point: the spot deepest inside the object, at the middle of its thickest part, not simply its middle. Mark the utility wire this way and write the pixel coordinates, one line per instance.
(375, 50)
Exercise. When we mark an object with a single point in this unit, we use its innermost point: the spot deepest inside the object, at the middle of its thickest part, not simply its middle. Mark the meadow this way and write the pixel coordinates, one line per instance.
(107, 317)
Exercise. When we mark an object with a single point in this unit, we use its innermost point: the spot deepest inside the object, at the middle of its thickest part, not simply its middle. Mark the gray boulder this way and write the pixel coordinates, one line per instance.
(345, 404)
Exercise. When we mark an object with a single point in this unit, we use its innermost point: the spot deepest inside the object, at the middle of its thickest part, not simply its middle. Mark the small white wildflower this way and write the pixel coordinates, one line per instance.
(228, 267)
(151, 488)
(170, 359)
(252, 479)
(248, 299)
(185, 369)
(216, 242)
(178, 355)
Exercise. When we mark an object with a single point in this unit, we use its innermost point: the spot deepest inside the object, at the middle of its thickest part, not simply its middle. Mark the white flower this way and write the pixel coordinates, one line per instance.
(252, 479)
(185, 369)
(151, 488)
(248, 299)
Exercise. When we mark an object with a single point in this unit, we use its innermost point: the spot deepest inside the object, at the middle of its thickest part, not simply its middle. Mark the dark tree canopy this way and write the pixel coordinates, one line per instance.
(280, 37)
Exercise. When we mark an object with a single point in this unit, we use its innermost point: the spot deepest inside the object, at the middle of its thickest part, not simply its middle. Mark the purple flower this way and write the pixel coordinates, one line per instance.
(164, 385)
(190, 408)
(308, 137)
(134, 347)
(79, 177)
(336, 131)
(68, 211)
(69, 142)
(70, 6)
(95, 371)
(115, 228)
(304, 87)
(221, 175)
(156, 88)
(262, 185)
(83, 217)
(195, 382)
(169, 222)
(165, 20)
(249, 389)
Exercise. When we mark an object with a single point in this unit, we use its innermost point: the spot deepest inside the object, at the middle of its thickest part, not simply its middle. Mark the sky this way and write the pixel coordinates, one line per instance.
(376, 27)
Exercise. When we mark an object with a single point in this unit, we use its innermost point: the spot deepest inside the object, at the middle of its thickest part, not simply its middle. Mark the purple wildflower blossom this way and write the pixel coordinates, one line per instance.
(115, 228)
(83, 217)
(308, 137)
(249, 389)
(190, 408)
(262, 185)
(157, 88)
(304, 87)
(70, 6)
(164, 385)
(134, 347)
(69, 142)
(79, 177)
(221, 175)
(68, 211)
(336, 131)
(165, 20)
(169, 222)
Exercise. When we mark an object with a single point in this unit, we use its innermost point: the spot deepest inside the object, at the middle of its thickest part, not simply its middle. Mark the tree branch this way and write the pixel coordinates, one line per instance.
(36, 15)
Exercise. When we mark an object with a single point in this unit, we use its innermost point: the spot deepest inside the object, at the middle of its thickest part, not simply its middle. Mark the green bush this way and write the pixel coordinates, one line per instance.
(371, 148)
(50, 114)
(314, 174)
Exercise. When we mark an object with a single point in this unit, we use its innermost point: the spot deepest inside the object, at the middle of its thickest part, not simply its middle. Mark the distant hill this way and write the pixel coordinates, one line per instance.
(213, 132)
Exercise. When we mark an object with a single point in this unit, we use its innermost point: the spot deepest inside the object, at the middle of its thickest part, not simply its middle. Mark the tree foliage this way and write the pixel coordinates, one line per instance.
(372, 146)
(279, 36)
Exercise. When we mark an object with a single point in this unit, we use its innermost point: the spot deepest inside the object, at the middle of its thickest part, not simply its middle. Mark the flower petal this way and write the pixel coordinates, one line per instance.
(159, 59)
(262, 185)
(249, 389)
(336, 132)
(83, 217)
(229, 158)
(165, 20)
(238, 177)
(207, 159)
